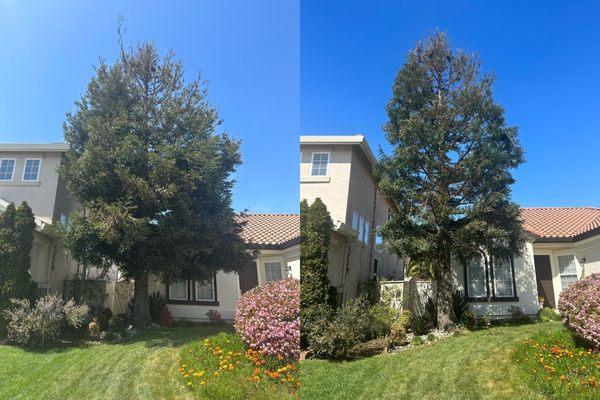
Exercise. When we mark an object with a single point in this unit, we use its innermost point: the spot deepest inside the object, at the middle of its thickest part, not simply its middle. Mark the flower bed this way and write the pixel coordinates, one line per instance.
(211, 366)
(559, 367)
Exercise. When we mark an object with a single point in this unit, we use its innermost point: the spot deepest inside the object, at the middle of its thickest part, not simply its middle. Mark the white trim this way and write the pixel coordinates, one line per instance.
(210, 283)
(280, 270)
(512, 282)
(178, 298)
(312, 161)
(12, 176)
(37, 178)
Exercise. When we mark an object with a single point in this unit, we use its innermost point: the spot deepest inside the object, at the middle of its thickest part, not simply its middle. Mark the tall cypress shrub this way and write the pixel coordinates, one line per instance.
(315, 228)
(16, 240)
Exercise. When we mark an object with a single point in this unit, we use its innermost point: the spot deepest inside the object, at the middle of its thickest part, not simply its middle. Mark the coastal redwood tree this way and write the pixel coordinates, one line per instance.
(152, 174)
(16, 241)
(315, 231)
(449, 170)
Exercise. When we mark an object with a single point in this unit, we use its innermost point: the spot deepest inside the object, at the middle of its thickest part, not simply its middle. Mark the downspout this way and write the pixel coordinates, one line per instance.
(371, 243)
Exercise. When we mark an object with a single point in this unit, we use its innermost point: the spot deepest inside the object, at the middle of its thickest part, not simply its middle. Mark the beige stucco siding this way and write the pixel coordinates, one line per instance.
(587, 258)
(333, 188)
(40, 195)
(526, 287)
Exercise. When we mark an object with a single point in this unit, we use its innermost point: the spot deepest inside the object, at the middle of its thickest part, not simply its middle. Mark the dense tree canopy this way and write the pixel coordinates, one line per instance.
(449, 171)
(152, 174)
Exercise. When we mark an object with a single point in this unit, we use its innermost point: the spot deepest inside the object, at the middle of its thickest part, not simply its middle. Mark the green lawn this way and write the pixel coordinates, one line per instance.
(473, 365)
(145, 367)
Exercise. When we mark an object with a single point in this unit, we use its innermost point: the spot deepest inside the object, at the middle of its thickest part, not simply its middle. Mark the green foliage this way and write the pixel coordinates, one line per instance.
(46, 320)
(548, 314)
(335, 338)
(368, 348)
(157, 304)
(450, 168)
(399, 329)
(315, 230)
(431, 312)
(147, 164)
(460, 305)
(422, 269)
(16, 240)
(417, 341)
(420, 325)
(470, 319)
(430, 337)
(368, 291)
(382, 318)
(89, 291)
(118, 323)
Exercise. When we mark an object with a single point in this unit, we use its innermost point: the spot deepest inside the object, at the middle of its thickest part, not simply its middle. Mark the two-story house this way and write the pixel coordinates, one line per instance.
(338, 169)
(28, 173)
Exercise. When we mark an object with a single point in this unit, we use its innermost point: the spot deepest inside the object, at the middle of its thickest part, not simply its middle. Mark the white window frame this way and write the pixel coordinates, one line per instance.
(560, 274)
(211, 283)
(361, 229)
(512, 279)
(37, 178)
(468, 282)
(185, 298)
(280, 270)
(312, 162)
(355, 218)
(12, 176)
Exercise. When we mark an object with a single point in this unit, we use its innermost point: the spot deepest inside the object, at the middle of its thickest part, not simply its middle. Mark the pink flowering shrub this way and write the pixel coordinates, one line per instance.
(579, 306)
(268, 318)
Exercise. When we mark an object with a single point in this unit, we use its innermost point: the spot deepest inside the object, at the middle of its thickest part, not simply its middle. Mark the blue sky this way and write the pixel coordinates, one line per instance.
(545, 55)
(248, 51)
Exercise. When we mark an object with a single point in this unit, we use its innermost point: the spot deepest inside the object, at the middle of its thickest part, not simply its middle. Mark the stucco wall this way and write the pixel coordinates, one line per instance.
(587, 258)
(525, 284)
(333, 188)
(50, 263)
(40, 195)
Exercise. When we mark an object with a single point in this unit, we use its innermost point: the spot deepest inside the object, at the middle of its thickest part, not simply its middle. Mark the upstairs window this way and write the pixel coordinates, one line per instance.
(320, 161)
(367, 236)
(31, 171)
(355, 220)
(568, 270)
(273, 271)
(7, 168)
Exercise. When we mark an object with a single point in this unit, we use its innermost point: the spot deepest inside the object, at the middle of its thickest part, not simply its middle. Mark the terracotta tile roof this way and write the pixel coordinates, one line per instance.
(276, 231)
(571, 223)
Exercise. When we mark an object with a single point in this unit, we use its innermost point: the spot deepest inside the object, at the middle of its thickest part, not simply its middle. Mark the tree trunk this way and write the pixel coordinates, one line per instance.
(444, 286)
(141, 309)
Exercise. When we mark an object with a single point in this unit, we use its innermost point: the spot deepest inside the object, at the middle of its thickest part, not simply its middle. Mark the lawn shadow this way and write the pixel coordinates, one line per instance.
(154, 338)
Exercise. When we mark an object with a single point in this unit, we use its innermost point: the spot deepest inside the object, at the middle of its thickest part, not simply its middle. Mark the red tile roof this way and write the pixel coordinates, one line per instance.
(276, 231)
(571, 223)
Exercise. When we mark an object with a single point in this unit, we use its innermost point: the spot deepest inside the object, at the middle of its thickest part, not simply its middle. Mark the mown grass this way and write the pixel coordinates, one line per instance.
(220, 367)
(473, 365)
(559, 366)
(144, 367)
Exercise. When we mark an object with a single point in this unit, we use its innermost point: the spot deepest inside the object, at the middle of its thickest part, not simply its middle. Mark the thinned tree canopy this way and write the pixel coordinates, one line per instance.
(450, 169)
(151, 172)
(452, 156)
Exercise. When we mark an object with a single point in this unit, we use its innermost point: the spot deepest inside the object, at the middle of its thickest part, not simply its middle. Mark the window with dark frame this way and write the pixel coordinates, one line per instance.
(498, 278)
(193, 292)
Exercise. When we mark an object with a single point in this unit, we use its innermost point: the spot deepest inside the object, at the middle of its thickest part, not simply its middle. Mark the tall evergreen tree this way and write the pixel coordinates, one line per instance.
(315, 230)
(450, 166)
(16, 241)
(152, 174)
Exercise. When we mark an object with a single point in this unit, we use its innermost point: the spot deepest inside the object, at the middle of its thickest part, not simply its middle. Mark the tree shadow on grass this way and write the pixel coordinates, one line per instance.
(154, 338)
